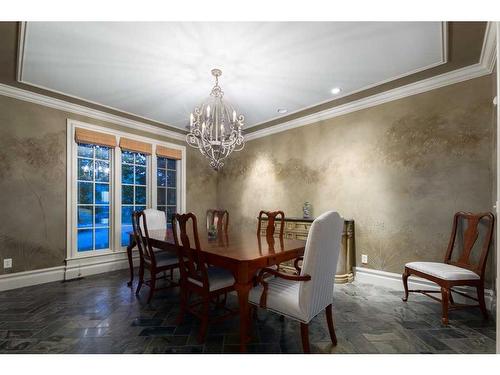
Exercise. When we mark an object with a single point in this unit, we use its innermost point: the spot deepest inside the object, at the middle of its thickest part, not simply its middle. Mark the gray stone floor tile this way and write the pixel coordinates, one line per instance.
(100, 314)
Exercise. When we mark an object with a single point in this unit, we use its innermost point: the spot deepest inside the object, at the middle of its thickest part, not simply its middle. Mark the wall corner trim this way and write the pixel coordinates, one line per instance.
(47, 101)
(484, 67)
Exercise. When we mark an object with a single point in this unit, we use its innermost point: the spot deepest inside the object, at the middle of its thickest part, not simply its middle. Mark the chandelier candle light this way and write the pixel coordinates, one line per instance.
(215, 127)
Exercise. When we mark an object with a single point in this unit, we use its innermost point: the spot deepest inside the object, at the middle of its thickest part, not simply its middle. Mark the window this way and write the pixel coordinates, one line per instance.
(134, 189)
(166, 181)
(111, 174)
(93, 197)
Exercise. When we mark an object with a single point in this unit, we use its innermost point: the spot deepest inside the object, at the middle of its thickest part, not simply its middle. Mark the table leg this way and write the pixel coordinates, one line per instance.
(243, 290)
(130, 262)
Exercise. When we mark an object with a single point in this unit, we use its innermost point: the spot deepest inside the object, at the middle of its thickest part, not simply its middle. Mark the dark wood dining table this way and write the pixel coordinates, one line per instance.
(240, 251)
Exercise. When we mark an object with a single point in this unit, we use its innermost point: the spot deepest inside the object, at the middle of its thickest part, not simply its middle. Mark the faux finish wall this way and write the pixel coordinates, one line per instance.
(33, 183)
(400, 170)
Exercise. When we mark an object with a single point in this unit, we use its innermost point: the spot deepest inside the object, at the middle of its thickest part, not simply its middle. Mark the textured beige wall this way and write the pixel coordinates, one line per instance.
(33, 183)
(400, 170)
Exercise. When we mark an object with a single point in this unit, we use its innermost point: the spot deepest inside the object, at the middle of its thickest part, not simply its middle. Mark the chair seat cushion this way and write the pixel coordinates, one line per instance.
(218, 278)
(165, 259)
(282, 297)
(443, 271)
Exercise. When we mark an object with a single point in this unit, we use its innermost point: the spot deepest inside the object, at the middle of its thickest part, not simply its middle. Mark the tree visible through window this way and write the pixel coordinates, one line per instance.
(166, 186)
(93, 197)
(134, 189)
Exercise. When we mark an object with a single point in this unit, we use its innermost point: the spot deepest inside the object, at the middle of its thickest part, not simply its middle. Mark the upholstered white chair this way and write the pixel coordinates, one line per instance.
(304, 296)
(156, 219)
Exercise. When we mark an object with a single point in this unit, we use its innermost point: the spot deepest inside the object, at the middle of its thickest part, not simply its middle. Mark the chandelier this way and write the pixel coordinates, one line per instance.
(215, 128)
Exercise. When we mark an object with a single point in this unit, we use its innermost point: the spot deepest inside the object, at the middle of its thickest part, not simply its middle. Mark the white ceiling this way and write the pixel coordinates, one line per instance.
(161, 71)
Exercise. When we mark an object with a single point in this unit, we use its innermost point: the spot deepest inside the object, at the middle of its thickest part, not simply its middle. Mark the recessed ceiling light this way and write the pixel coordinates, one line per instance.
(336, 90)
(282, 110)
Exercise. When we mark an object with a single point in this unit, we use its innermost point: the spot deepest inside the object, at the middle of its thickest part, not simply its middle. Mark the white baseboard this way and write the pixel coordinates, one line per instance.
(81, 267)
(74, 268)
(393, 281)
(29, 278)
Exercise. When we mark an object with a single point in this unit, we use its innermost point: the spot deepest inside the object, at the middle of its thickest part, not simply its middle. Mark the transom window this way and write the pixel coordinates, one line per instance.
(134, 189)
(166, 181)
(93, 198)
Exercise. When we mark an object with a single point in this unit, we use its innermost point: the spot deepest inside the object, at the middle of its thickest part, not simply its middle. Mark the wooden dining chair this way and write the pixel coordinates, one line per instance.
(271, 219)
(157, 220)
(302, 297)
(207, 282)
(219, 219)
(458, 269)
(156, 261)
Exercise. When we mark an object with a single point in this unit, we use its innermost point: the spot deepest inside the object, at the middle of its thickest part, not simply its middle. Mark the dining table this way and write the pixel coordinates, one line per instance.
(240, 251)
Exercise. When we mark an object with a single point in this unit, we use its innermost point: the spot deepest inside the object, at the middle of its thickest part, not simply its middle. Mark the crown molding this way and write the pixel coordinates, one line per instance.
(484, 67)
(47, 101)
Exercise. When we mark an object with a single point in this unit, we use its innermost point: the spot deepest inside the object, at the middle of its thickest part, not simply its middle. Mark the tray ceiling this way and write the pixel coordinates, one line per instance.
(160, 71)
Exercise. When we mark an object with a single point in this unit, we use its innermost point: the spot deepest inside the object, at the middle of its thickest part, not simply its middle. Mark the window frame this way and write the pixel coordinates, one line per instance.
(94, 205)
(116, 186)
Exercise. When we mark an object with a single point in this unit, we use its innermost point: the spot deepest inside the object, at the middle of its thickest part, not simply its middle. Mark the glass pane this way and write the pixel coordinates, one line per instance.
(162, 162)
(102, 216)
(127, 214)
(162, 208)
(171, 163)
(126, 229)
(127, 174)
(140, 175)
(85, 239)
(140, 158)
(102, 152)
(171, 197)
(170, 211)
(101, 193)
(160, 196)
(140, 195)
(161, 178)
(128, 157)
(85, 150)
(85, 193)
(85, 214)
(171, 178)
(140, 208)
(127, 194)
(102, 238)
(85, 169)
(102, 171)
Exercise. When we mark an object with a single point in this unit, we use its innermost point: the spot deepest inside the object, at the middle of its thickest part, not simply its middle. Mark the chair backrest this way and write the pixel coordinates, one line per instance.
(466, 230)
(156, 219)
(320, 262)
(141, 235)
(191, 261)
(271, 219)
(219, 219)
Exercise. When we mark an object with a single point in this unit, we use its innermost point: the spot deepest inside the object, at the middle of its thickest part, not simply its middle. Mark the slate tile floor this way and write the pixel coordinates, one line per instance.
(100, 314)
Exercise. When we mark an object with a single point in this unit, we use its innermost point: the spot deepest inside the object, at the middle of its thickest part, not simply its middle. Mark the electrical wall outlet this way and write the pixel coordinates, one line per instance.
(7, 263)
(364, 258)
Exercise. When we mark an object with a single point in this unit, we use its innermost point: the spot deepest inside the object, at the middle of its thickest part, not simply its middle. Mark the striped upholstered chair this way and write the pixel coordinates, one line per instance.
(304, 296)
